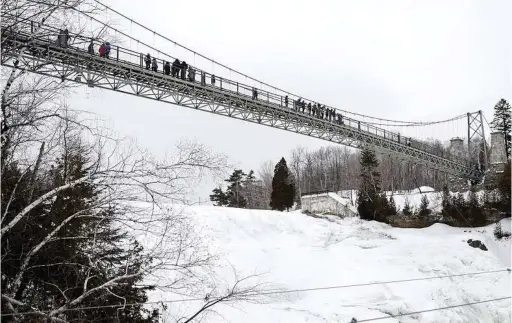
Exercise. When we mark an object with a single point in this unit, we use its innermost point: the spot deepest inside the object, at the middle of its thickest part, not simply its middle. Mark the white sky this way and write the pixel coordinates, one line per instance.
(397, 59)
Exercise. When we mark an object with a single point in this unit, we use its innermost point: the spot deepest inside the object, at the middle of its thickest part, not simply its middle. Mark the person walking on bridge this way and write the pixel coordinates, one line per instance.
(90, 48)
(107, 49)
(154, 65)
(175, 68)
(184, 67)
(147, 60)
(101, 50)
(191, 74)
(167, 68)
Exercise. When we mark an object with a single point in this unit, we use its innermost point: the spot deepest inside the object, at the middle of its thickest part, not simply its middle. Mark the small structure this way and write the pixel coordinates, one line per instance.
(326, 202)
(498, 157)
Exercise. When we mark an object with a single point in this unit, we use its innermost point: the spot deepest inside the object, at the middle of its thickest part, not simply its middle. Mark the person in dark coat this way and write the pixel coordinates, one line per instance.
(65, 39)
(107, 49)
(176, 68)
(167, 68)
(184, 67)
(147, 60)
(154, 65)
(90, 48)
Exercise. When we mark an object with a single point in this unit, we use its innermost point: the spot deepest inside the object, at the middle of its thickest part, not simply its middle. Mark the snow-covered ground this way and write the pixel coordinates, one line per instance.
(295, 251)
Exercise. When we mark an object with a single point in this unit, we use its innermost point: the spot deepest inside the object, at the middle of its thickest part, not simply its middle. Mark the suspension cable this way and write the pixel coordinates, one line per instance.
(409, 123)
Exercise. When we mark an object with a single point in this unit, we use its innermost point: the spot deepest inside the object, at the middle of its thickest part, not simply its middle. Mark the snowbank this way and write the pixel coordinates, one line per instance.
(295, 251)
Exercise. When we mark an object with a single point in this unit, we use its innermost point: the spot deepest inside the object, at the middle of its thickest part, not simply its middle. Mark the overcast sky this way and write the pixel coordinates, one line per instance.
(406, 60)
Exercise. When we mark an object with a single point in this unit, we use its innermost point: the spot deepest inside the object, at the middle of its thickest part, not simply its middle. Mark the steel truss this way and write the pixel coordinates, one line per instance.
(71, 64)
(476, 130)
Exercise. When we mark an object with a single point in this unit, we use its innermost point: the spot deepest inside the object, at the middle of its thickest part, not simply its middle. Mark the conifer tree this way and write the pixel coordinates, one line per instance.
(86, 236)
(234, 191)
(502, 122)
(407, 210)
(219, 197)
(392, 206)
(424, 210)
(371, 204)
(283, 187)
(504, 186)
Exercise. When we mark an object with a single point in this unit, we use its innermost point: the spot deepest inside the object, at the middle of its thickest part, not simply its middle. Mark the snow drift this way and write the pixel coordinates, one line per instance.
(295, 251)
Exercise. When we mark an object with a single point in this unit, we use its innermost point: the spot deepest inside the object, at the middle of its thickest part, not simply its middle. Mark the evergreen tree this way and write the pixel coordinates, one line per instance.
(476, 216)
(392, 206)
(502, 122)
(219, 197)
(371, 204)
(407, 210)
(504, 188)
(424, 210)
(234, 191)
(283, 187)
(250, 190)
(61, 266)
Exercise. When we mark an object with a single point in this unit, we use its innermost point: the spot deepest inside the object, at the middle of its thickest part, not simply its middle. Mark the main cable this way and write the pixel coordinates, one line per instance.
(411, 123)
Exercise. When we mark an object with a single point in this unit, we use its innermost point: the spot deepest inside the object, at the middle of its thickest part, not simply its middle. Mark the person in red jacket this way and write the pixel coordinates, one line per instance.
(102, 50)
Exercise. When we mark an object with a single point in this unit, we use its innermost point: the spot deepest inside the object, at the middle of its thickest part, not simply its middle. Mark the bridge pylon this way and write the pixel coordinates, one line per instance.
(477, 148)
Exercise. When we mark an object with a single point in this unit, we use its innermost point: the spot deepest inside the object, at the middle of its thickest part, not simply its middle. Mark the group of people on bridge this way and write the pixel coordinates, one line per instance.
(178, 69)
(317, 110)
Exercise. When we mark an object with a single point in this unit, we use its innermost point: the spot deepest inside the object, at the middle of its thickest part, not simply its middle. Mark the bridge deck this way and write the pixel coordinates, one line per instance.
(124, 73)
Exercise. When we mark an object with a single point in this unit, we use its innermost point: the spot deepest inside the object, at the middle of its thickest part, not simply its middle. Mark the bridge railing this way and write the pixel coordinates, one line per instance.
(135, 59)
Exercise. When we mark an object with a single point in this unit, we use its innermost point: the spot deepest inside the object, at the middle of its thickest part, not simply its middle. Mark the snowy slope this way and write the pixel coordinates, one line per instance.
(296, 251)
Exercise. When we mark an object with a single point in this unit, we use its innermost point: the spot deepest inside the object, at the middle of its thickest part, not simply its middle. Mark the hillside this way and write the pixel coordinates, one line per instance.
(295, 251)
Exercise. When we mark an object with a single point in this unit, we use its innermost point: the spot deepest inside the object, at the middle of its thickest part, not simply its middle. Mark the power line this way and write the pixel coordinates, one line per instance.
(430, 310)
(271, 292)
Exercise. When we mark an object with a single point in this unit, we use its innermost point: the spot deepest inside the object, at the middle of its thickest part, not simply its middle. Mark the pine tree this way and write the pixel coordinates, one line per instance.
(111, 248)
(219, 197)
(249, 189)
(392, 206)
(407, 210)
(234, 191)
(371, 205)
(61, 266)
(424, 210)
(502, 122)
(283, 187)
(504, 186)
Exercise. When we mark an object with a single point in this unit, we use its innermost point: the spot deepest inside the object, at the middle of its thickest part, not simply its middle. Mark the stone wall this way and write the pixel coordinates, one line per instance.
(325, 204)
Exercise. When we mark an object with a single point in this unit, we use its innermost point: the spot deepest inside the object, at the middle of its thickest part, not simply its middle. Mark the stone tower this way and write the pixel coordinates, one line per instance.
(498, 157)
(457, 149)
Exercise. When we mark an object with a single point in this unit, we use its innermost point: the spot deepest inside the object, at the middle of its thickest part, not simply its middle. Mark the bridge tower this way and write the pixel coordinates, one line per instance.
(477, 145)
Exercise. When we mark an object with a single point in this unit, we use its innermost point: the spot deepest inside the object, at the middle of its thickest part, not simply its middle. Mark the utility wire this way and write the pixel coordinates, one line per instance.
(271, 292)
(261, 82)
(430, 310)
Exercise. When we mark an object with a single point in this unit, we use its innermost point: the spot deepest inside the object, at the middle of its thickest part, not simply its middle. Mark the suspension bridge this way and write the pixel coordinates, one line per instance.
(31, 46)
